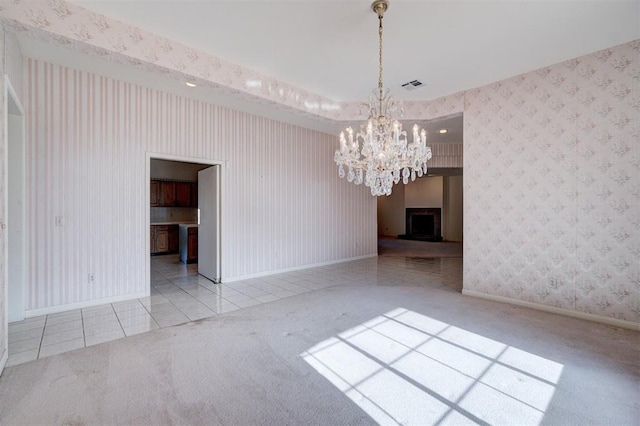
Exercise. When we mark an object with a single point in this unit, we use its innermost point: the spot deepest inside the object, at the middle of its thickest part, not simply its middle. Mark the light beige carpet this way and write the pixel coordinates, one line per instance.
(349, 354)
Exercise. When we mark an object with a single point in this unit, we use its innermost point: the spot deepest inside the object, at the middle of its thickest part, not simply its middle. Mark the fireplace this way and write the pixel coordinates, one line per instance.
(424, 224)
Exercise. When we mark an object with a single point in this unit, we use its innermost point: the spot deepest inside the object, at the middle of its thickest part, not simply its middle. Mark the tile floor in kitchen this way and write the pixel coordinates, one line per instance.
(180, 295)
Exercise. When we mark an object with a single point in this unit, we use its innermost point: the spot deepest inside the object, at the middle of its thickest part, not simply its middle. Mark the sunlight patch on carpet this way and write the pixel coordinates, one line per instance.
(407, 368)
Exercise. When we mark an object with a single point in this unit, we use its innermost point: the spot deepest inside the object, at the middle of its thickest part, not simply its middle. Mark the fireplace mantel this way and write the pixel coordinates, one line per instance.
(423, 224)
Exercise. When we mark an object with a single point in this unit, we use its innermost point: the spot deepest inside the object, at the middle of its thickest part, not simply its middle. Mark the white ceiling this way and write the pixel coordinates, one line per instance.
(330, 47)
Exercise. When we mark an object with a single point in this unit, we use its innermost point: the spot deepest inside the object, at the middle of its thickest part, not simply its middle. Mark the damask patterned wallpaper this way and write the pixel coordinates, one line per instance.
(552, 185)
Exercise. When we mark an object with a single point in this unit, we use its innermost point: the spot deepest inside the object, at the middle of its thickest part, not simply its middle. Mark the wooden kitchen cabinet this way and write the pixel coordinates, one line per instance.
(173, 239)
(167, 194)
(173, 194)
(188, 243)
(192, 253)
(194, 194)
(155, 193)
(152, 245)
(164, 239)
(183, 194)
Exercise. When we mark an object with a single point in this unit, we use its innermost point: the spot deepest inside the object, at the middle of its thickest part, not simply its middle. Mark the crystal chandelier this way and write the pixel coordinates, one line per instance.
(380, 152)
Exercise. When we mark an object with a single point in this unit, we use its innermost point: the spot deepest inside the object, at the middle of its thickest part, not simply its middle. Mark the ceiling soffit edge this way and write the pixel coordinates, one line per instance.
(87, 32)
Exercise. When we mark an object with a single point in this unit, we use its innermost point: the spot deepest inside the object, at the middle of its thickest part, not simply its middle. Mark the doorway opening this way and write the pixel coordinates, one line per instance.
(184, 218)
(424, 218)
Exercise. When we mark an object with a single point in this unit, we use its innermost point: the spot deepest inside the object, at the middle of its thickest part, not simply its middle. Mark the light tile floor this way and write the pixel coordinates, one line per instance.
(179, 295)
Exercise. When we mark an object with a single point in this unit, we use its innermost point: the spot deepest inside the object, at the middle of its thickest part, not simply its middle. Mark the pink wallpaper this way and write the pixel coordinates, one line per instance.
(552, 186)
(87, 138)
(74, 27)
(446, 155)
(551, 169)
(551, 199)
(68, 24)
(3, 186)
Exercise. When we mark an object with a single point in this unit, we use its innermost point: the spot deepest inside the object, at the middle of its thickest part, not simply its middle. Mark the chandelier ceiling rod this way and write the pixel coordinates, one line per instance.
(379, 7)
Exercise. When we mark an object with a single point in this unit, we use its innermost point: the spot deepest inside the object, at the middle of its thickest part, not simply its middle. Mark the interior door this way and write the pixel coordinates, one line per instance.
(209, 230)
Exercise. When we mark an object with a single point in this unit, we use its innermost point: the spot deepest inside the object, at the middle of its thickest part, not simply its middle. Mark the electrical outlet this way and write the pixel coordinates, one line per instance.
(59, 221)
(92, 278)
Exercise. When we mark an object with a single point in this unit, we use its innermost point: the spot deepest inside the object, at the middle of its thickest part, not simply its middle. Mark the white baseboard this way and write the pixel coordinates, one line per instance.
(295, 268)
(566, 312)
(85, 304)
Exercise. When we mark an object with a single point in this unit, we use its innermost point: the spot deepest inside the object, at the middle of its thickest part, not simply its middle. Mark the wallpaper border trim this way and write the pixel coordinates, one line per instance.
(551, 309)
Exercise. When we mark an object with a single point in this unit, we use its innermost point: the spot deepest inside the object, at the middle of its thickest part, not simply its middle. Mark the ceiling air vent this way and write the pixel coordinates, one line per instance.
(413, 85)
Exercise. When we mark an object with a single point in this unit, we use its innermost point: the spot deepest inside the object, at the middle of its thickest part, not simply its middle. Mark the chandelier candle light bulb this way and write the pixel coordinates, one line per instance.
(378, 153)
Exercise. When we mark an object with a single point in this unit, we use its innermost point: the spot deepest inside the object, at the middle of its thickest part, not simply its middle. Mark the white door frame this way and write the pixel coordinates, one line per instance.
(170, 157)
(10, 94)
(16, 213)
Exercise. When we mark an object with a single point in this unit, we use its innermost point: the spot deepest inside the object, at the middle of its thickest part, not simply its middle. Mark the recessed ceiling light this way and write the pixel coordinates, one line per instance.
(190, 84)
(443, 131)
